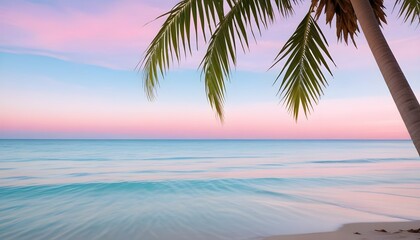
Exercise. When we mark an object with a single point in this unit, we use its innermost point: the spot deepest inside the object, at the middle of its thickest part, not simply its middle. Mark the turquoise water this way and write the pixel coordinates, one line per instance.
(201, 189)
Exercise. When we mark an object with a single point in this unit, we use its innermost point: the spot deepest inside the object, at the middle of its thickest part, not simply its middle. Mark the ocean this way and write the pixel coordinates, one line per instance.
(201, 189)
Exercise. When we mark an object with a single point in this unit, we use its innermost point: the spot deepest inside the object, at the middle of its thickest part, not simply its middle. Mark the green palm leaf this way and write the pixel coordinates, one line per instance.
(409, 10)
(174, 37)
(221, 52)
(303, 80)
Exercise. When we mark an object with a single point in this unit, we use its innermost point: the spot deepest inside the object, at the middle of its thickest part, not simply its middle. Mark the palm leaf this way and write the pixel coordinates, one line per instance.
(174, 37)
(221, 52)
(303, 80)
(409, 10)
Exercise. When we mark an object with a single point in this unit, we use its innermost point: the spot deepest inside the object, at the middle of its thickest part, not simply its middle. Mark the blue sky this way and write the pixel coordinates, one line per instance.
(67, 71)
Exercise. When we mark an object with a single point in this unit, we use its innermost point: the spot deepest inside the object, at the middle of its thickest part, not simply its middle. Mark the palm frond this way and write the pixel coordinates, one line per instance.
(409, 10)
(303, 80)
(174, 37)
(221, 52)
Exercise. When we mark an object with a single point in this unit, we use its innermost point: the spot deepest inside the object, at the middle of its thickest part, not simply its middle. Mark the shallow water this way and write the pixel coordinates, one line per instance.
(201, 189)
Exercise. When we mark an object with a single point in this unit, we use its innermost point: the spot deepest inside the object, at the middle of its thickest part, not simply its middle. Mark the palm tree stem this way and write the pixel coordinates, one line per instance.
(401, 92)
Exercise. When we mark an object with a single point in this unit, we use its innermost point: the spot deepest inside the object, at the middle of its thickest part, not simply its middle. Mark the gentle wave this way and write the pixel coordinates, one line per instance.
(220, 186)
(228, 186)
(370, 160)
(201, 190)
(197, 158)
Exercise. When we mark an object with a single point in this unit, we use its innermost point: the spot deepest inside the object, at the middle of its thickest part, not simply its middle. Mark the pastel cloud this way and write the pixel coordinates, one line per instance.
(364, 118)
(113, 35)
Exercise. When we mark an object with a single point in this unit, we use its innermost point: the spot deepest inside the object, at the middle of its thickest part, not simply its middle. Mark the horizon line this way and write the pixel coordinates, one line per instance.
(221, 139)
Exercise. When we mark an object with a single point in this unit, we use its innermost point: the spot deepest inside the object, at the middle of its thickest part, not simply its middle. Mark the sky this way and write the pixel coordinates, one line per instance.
(67, 70)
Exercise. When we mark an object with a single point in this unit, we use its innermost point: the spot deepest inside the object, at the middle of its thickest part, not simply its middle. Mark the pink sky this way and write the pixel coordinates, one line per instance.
(113, 35)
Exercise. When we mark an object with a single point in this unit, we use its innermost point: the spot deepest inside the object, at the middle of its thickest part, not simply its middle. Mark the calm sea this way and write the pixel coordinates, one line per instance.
(201, 189)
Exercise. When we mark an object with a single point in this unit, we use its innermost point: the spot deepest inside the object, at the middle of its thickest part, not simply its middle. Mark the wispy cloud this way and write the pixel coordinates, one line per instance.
(113, 34)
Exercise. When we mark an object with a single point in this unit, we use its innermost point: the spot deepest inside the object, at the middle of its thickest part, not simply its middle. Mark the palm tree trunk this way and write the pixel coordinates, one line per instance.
(404, 98)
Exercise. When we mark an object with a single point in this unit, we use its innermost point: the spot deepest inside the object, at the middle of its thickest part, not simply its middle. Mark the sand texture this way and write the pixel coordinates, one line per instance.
(364, 231)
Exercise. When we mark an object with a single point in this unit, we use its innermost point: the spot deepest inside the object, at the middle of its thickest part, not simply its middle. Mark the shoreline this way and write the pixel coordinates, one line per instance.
(363, 231)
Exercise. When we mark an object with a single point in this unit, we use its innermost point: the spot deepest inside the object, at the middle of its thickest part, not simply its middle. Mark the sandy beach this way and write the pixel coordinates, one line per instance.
(363, 231)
